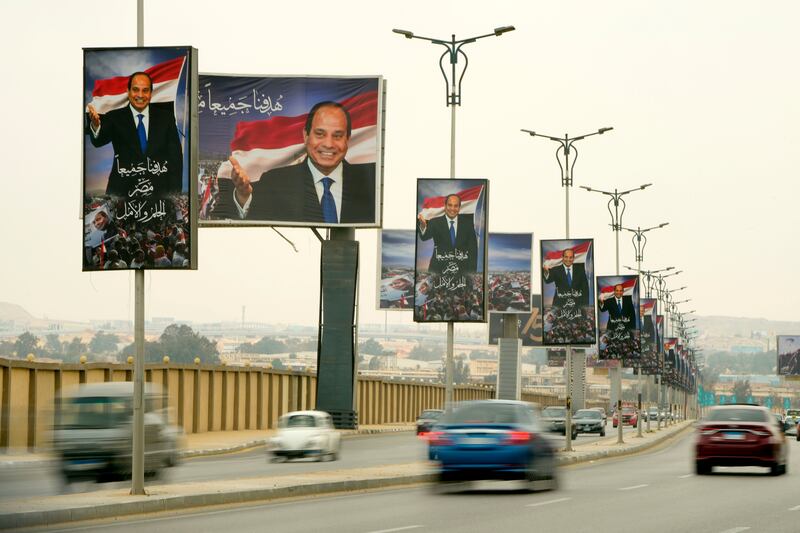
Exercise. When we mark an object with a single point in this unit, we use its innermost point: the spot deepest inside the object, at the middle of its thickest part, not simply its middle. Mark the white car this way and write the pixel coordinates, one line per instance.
(305, 434)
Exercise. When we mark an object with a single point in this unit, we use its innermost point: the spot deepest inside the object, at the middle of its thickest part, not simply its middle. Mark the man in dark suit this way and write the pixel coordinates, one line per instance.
(148, 159)
(454, 239)
(619, 309)
(570, 280)
(323, 188)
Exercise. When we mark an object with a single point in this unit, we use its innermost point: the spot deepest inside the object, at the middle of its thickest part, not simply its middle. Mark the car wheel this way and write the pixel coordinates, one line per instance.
(574, 435)
(701, 468)
(603, 432)
(277, 459)
(798, 434)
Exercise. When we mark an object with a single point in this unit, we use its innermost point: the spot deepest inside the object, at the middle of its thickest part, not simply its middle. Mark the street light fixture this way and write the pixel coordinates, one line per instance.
(565, 146)
(649, 276)
(639, 239)
(453, 48)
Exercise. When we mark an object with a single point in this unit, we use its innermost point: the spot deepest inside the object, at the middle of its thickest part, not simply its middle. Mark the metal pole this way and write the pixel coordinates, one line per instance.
(449, 362)
(618, 382)
(639, 376)
(568, 362)
(137, 459)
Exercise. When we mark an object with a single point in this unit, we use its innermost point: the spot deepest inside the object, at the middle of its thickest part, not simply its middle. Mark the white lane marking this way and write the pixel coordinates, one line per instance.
(404, 528)
(548, 502)
(685, 476)
(796, 508)
(634, 487)
(736, 529)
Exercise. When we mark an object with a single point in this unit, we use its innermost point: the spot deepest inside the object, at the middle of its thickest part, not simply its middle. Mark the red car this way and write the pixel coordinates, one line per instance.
(629, 416)
(740, 435)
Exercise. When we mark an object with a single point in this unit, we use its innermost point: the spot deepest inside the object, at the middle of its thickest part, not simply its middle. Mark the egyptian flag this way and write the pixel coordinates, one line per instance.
(627, 287)
(433, 206)
(553, 259)
(112, 93)
(261, 145)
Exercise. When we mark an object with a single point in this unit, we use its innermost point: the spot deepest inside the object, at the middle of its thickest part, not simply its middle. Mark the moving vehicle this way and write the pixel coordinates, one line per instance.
(628, 417)
(426, 419)
(496, 440)
(305, 434)
(602, 412)
(792, 420)
(93, 434)
(652, 414)
(555, 419)
(589, 421)
(740, 435)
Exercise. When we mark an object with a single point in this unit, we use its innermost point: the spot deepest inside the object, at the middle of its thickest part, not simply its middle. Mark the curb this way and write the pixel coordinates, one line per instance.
(618, 452)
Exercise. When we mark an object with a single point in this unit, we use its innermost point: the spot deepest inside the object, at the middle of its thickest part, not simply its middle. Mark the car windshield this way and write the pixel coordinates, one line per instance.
(737, 415)
(627, 410)
(793, 412)
(588, 414)
(430, 414)
(95, 412)
(299, 421)
(554, 412)
(484, 413)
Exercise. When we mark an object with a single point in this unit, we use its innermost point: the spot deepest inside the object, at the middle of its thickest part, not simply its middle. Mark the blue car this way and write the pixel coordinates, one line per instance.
(493, 440)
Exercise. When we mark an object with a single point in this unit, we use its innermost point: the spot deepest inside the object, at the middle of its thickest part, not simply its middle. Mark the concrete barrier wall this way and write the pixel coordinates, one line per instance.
(202, 398)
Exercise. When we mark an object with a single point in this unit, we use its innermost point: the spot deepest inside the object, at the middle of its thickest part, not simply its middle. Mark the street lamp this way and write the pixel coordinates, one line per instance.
(639, 240)
(617, 201)
(453, 48)
(565, 147)
(649, 276)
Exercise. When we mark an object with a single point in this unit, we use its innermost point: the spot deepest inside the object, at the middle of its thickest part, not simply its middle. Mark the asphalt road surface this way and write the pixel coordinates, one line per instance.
(654, 491)
(359, 451)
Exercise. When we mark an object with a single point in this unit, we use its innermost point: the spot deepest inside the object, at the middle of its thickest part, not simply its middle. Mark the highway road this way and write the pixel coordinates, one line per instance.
(358, 451)
(655, 491)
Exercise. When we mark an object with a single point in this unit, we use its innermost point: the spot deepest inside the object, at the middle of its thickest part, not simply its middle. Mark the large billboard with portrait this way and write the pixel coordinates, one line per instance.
(450, 257)
(568, 292)
(618, 318)
(789, 355)
(529, 325)
(396, 269)
(290, 150)
(648, 311)
(509, 282)
(139, 147)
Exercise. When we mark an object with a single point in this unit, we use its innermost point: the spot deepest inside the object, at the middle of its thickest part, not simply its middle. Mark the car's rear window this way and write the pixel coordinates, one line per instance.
(554, 411)
(299, 421)
(485, 413)
(737, 415)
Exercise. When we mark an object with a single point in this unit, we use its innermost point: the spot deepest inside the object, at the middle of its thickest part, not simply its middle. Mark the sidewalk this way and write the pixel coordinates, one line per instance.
(45, 511)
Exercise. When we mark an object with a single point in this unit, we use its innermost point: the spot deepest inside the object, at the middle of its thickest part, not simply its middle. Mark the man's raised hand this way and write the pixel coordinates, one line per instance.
(241, 181)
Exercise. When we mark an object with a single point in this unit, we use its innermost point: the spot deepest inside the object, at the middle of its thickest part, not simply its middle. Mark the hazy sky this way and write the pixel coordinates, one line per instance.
(703, 98)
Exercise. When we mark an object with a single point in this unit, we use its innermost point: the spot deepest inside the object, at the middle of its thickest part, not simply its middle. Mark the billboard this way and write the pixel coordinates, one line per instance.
(568, 292)
(509, 279)
(618, 318)
(450, 255)
(529, 325)
(648, 311)
(290, 150)
(396, 269)
(788, 355)
(139, 148)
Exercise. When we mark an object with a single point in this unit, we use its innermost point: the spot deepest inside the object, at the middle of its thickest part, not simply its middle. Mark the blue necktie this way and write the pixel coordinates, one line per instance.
(142, 133)
(619, 307)
(328, 203)
(569, 278)
(452, 234)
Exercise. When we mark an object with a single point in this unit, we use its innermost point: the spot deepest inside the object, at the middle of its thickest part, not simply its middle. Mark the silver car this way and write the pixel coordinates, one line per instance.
(589, 421)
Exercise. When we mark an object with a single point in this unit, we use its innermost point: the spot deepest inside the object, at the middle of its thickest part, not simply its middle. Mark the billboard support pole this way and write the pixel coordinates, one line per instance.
(137, 458)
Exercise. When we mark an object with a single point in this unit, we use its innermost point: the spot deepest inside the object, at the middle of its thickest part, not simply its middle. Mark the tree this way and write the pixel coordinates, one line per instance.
(7, 348)
(434, 353)
(741, 390)
(26, 343)
(277, 364)
(265, 345)
(53, 345)
(103, 343)
(372, 347)
(73, 350)
(182, 345)
(461, 371)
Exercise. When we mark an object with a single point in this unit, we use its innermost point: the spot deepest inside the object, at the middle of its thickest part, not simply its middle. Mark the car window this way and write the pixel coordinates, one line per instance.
(737, 415)
(486, 413)
(300, 421)
(95, 412)
(588, 414)
(793, 412)
(554, 411)
(430, 414)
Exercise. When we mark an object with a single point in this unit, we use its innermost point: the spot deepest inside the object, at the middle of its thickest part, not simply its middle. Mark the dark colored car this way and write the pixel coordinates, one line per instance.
(426, 419)
(495, 440)
(554, 419)
(589, 421)
(740, 435)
